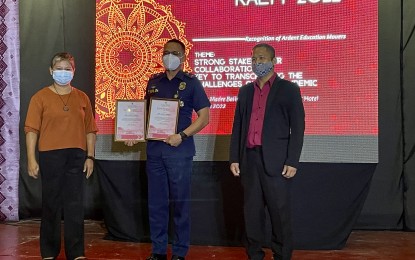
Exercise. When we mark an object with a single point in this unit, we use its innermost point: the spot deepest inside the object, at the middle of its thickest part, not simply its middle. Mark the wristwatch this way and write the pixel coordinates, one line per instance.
(183, 135)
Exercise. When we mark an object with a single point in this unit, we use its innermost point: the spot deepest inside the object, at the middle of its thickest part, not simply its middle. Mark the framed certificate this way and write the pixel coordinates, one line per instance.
(130, 120)
(162, 119)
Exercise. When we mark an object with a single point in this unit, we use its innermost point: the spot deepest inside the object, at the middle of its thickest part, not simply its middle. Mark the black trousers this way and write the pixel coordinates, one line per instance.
(62, 191)
(264, 192)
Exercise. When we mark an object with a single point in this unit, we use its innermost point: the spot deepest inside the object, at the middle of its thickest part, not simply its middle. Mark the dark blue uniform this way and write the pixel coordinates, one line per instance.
(169, 168)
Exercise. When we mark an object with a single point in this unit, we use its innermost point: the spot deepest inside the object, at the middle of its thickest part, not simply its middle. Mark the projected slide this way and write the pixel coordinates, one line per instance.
(328, 47)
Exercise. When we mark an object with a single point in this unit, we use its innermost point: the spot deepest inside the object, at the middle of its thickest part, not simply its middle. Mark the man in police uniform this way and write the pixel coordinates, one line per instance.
(169, 162)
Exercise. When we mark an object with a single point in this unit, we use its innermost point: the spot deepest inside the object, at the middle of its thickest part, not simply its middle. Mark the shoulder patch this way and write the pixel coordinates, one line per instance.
(189, 75)
(157, 75)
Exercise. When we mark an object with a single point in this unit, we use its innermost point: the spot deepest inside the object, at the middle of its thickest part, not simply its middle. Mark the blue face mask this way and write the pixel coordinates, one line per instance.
(62, 77)
(262, 69)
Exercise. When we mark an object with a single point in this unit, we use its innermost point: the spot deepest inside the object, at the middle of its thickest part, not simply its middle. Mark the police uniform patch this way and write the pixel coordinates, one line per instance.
(182, 85)
(153, 89)
(189, 75)
(156, 75)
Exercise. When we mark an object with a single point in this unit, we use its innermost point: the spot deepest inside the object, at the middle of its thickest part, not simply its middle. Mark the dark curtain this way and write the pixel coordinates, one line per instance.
(124, 193)
(48, 27)
(391, 200)
(408, 118)
(216, 206)
(327, 198)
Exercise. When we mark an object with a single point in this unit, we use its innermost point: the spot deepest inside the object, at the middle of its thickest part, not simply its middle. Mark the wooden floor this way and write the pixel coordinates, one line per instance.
(20, 240)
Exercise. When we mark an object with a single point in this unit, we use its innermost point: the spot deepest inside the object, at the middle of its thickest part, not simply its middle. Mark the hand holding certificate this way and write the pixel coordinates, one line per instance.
(162, 120)
(130, 120)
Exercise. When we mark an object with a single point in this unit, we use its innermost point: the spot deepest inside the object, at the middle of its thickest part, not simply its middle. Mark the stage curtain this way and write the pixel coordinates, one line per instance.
(391, 199)
(326, 199)
(124, 195)
(9, 110)
(408, 126)
(48, 27)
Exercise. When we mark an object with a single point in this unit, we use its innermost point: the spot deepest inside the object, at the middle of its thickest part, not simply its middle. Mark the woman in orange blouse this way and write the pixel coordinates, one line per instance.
(60, 122)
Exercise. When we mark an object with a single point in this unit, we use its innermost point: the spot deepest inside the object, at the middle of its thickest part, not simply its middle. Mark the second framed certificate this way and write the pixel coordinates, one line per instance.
(162, 119)
(130, 120)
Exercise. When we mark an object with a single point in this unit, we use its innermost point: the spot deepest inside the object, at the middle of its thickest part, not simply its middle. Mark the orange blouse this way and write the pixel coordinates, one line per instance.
(56, 128)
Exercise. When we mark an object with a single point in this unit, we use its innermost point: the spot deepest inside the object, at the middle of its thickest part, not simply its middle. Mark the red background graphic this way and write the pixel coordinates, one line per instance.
(346, 95)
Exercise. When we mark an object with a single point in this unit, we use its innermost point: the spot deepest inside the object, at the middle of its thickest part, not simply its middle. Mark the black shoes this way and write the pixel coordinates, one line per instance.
(164, 257)
(157, 257)
(175, 257)
(276, 256)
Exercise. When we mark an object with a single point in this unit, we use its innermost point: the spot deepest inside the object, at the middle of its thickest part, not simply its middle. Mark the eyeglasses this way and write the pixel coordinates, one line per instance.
(175, 53)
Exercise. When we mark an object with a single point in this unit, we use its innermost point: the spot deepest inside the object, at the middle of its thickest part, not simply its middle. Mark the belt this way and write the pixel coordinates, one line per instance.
(256, 148)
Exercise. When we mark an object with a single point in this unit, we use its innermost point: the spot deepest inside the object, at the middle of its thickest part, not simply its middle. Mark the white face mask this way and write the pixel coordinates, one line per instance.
(171, 62)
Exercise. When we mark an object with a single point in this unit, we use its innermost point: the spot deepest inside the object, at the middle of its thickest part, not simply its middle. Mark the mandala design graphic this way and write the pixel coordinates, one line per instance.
(130, 36)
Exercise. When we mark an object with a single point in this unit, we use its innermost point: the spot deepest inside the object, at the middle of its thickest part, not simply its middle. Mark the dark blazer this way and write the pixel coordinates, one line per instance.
(283, 129)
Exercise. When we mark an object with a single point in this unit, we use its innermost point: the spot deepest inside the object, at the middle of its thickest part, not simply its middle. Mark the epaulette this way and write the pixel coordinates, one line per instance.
(188, 74)
(157, 75)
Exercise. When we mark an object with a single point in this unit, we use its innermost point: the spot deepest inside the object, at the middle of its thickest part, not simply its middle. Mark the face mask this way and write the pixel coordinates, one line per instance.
(262, 69)
(62, 77)
(171, 62)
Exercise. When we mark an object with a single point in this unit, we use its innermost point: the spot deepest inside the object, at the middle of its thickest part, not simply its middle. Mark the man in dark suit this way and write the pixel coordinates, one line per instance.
(267, 138)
